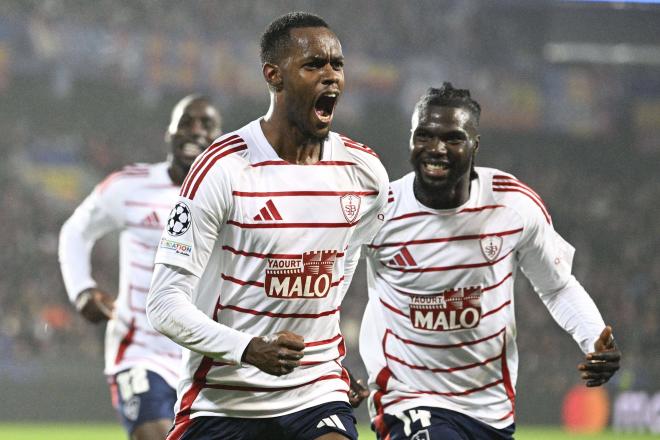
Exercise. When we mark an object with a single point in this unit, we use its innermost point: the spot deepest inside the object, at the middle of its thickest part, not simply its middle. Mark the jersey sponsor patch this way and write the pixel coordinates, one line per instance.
(179, 220)
(175, 246)
(350, 207)
(491, 246)
(453, 309)
(306, 277)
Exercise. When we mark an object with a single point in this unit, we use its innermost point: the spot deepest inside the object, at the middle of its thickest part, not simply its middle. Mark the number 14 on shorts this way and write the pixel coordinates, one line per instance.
(413, 416)
(131, 382)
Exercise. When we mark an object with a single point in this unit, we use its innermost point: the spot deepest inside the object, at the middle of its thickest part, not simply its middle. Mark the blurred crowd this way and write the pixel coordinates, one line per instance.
(602, 190)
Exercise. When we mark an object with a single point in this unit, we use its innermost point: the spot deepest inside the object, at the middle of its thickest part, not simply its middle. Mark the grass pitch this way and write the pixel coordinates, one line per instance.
(54, 431)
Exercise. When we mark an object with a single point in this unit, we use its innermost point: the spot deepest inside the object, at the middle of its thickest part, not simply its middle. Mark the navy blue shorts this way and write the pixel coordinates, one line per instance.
(307, 424)
(426, 423)
(141, 396)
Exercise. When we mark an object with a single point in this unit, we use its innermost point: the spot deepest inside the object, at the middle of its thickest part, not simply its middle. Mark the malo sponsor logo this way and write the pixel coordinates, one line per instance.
(307, 277)
(453, 309)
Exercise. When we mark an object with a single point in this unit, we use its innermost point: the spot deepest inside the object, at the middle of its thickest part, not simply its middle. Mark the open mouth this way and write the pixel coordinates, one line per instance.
(325, 106)
(191, 149)
(435, 167)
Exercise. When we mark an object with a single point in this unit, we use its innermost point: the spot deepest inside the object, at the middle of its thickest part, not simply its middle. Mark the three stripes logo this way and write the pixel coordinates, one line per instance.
(151, 220)
(403, 258)
(268, 213)
(331, 422)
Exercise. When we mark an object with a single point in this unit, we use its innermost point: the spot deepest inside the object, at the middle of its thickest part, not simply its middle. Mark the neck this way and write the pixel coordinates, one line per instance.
(289, 143)
(176, 173)
(442, 197)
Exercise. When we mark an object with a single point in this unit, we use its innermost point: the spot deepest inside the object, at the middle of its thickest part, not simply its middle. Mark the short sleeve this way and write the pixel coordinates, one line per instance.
(194, 223)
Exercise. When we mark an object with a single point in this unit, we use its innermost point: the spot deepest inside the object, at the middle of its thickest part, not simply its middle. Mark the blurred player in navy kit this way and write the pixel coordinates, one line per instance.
(438, 334)
(142, 365)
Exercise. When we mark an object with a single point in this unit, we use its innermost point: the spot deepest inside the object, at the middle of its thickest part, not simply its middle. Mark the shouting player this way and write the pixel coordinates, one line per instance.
(438, 334)
(264, 241)
(141, 364)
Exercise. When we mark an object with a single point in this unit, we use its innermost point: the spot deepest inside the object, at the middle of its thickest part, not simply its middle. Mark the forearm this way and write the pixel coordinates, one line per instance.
(171, 312)
(74, 252)
(574, 310)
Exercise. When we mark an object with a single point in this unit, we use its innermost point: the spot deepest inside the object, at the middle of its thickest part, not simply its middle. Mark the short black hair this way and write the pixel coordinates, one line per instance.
(276, 36)
(448, 96)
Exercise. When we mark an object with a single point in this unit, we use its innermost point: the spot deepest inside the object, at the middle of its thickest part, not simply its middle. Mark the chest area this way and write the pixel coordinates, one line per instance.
(146, 211)
(433, 242)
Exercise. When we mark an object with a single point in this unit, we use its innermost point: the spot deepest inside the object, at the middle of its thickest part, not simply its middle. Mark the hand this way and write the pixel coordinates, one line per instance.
(95, 305)
(601, 365)
(358, 391)
(276, 354)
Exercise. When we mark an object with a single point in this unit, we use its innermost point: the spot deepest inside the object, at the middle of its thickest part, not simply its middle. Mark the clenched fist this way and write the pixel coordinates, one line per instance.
(276, 354)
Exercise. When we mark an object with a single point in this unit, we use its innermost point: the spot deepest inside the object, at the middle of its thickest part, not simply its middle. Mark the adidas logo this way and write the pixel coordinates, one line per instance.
(268, 213)
(151, 220)
(332, 422)
(403, 258)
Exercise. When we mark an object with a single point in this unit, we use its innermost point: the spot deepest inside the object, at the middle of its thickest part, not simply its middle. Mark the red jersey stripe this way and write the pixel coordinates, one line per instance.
(321, 162)
(445, 268)
(302, 193)
(260, 255)
(182, 418)
(445, 239)
(442, 370)
(273, 389)
(208, 167)
(545, 213)
(125, 342)
(203, 159)
(495, 310)
(289, 225)
(445, 346)
(242, 282)
(279, 315)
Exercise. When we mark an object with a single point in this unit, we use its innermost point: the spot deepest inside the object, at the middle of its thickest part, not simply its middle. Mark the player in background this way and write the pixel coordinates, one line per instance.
(142, 365)
(438, 334)
(267, 234)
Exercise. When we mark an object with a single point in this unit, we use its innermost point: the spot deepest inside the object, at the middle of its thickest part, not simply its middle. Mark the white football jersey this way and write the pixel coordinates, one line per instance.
(274, 245)
(439, 329)
(137, 202)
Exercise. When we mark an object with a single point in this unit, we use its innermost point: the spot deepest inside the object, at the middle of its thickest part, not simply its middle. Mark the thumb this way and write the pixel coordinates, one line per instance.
(604, 340)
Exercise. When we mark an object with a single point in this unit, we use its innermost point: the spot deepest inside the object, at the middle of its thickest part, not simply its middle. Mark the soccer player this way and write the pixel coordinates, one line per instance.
(142, 365)
(266, 236)
(438, 334)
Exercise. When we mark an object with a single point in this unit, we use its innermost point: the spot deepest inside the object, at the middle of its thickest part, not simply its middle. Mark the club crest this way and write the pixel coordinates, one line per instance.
(491, 247)
(350, 207)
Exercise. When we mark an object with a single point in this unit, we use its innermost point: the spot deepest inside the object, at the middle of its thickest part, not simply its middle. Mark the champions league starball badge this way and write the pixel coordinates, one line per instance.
(179, 220)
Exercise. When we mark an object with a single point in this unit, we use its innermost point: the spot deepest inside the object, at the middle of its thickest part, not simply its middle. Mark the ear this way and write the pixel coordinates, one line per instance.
(273, 76)
(477, 140)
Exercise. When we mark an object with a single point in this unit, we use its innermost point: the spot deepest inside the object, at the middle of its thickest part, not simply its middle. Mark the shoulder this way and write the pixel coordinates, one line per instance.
(508, 190)
(225, 155)
(126, 178)
(364, 156)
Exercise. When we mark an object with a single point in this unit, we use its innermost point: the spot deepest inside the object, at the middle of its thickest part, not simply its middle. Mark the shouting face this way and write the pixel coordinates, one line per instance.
(312, 79)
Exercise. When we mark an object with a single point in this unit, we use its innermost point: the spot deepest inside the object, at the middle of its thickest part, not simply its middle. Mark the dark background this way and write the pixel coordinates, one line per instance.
(571, 105)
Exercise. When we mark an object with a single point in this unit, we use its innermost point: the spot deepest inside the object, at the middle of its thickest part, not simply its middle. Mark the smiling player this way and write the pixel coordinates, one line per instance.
(142, 365)
(438, 334)
(264, 242)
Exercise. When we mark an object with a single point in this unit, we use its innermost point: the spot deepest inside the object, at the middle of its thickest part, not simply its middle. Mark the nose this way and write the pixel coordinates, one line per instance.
(197, 127)
(437, 146)
(331, 75)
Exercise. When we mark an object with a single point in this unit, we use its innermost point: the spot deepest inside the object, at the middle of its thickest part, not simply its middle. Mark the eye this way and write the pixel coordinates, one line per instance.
(337, 65)
(422, 136)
